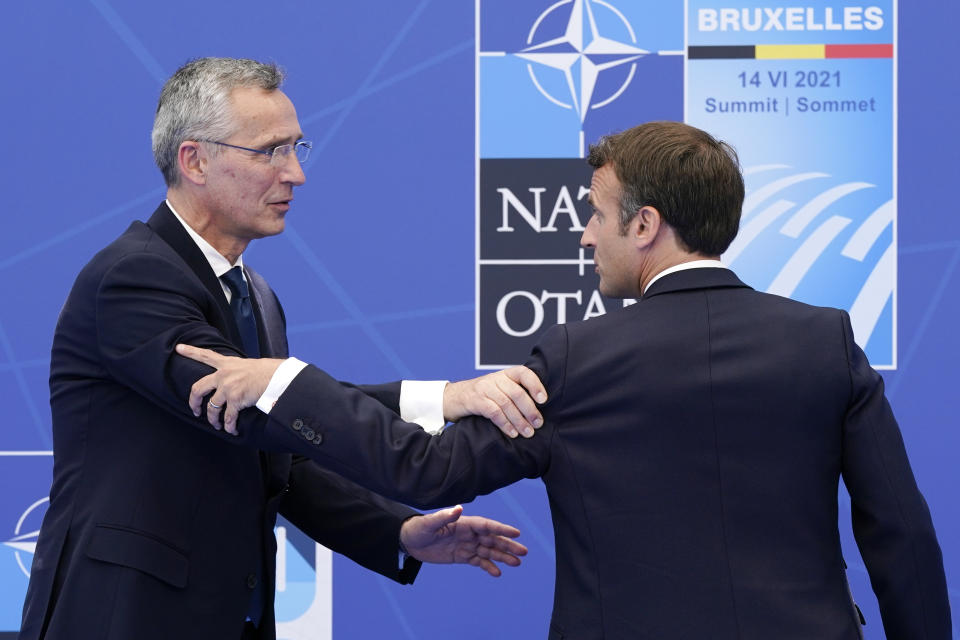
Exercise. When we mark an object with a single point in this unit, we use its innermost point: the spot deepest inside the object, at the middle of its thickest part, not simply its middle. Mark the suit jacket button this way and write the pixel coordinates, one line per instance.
(318, 439)
(251, 581)
(297, 424)
(308, 434)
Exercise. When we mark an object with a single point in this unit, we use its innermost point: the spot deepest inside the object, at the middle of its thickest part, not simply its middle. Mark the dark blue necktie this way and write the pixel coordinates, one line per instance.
(243, 314)
(243, 311)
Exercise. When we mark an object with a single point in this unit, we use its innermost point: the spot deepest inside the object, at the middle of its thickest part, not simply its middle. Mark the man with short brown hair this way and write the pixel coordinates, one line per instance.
(693, 442)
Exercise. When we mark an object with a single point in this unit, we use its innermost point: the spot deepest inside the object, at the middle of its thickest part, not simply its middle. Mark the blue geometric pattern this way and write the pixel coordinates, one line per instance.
(801, 238)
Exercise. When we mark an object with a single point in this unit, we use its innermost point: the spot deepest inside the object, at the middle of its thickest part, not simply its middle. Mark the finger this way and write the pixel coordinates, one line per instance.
(522, 405)
(230, 419)
(199, 391)
(495, 555)
(506, 545)
(508, 406)
(486, 565)
(513, 402)
(206, 356)
(487, 527)
(214, 408)
(524, 376)
(490, 410)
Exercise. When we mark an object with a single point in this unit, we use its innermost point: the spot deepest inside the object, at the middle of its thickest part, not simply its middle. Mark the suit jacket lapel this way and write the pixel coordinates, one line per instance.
(172, 232)
(271, 326)
(276, 467)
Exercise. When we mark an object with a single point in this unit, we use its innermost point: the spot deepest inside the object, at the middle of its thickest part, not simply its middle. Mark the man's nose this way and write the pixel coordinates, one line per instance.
(587, 238)
(292, 171)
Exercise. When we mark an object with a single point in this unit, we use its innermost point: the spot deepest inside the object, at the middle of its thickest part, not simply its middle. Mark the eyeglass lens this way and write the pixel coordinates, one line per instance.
(302, 150)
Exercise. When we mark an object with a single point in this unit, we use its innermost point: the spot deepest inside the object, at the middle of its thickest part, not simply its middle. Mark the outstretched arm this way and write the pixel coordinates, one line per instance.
(503, 397)
(346, 431)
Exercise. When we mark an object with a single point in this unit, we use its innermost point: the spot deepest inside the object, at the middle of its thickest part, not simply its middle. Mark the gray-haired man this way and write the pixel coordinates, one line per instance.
(158, 526)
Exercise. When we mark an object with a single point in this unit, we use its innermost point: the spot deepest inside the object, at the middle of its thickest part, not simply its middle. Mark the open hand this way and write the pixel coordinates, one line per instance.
(447, 536)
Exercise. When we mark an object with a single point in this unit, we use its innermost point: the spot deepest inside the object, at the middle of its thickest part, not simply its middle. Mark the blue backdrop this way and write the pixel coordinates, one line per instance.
(377, 266)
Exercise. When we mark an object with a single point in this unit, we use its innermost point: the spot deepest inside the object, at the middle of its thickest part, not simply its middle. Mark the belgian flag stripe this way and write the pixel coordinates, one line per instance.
(790, 51)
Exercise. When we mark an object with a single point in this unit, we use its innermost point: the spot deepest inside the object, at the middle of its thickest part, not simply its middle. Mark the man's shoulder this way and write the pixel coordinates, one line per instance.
(137, 250)
(663, 311)
(139, 241)
(623, 313)
(790, 307)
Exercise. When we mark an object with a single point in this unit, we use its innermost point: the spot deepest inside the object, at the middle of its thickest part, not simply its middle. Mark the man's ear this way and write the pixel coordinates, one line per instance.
(192, 162)
(645, 226)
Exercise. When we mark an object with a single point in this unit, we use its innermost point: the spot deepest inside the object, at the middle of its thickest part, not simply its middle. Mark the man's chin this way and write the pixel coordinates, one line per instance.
(274, 228)
(614, 293)
(605, 289)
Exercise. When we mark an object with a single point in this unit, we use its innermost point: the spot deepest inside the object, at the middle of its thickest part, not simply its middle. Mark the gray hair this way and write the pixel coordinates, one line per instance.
(195, 105)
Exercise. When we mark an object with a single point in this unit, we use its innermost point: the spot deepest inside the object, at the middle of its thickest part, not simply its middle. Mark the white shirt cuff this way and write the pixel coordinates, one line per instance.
(282, 377)
(421, 402)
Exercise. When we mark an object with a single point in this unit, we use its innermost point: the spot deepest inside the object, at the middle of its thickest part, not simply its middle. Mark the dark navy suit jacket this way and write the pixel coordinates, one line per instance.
(159, 526)
(692, 451)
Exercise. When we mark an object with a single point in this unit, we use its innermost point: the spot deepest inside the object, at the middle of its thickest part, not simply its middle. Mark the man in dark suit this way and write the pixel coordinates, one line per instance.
(159, 527)
(693, 442)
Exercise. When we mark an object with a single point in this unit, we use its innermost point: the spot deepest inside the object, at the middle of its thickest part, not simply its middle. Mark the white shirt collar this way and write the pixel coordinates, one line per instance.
(683, 266)
(218, 263)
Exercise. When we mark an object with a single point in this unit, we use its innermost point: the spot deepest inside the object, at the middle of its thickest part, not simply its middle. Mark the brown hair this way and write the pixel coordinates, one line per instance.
(691, 178)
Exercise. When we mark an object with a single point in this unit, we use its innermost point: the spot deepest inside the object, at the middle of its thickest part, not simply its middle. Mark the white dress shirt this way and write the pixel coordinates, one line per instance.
(421, 401)
(683, 266)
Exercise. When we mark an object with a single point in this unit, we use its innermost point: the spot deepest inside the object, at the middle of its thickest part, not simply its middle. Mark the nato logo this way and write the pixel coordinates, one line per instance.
(20, 542)
(304, 586)
(25, 532)
(555, 77)
(304, 570)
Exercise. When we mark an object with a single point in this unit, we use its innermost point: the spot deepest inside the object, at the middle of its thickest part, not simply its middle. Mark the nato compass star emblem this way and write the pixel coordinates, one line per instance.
(25, 542)
(581, 53)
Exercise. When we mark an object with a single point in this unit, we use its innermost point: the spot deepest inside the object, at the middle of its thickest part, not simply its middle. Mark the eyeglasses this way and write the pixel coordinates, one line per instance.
(278, 154)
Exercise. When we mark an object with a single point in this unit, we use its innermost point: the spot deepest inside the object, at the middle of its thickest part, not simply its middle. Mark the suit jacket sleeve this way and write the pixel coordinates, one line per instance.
(348, 519)
(387, 394)
(355, 436)
(891, 521)
(332, 510)
(146, 303)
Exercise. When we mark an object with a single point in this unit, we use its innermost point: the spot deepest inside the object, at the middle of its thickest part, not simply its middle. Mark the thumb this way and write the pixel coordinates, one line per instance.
(442, 518)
